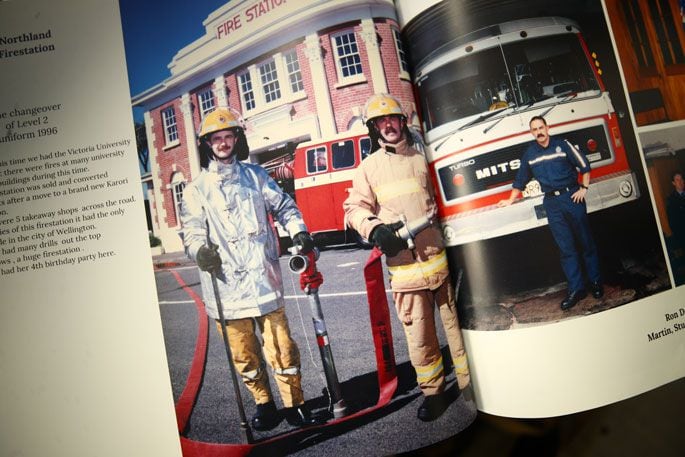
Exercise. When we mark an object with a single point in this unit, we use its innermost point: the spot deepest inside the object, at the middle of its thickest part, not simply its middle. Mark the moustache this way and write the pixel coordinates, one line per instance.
(389, 130)
(541, 135)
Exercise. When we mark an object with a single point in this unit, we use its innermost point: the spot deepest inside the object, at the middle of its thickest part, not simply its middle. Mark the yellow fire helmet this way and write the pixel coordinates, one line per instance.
(220, 119)
(382, 105)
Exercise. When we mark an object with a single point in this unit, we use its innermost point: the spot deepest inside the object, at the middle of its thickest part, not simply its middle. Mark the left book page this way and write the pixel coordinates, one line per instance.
(83, 363)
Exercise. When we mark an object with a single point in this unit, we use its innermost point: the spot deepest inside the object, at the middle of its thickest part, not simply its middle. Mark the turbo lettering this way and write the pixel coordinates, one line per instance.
(463, 164)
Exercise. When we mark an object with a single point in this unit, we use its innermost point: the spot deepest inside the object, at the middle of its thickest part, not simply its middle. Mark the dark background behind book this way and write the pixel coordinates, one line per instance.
(649, 424)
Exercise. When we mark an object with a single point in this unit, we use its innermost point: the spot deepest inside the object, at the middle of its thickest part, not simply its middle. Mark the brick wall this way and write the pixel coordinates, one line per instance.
(347, 97)
(167, 158)
(400, 88)
(307, 106)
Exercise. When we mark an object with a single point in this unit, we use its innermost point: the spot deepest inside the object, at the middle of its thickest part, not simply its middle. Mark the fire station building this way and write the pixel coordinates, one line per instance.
(296, 70)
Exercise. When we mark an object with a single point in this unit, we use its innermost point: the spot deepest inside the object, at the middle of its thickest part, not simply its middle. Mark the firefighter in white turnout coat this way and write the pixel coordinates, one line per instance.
(232, 200)
(393, 182)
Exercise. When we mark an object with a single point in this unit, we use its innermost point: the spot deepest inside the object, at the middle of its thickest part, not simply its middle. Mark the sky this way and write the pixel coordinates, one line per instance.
(154, 31)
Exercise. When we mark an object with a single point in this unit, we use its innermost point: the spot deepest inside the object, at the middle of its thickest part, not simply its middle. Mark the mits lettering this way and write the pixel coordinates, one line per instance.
(486, 172)
(493, 170)
(476, 174)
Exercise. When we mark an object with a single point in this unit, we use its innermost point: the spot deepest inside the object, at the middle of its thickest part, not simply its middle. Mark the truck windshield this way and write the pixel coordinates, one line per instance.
(512, 75)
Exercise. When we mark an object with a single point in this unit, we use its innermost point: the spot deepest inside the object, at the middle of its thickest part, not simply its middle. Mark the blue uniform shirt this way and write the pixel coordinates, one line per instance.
(555, 167)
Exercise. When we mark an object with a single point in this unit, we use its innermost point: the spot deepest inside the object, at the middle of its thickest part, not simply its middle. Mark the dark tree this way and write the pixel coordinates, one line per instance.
(141, 143)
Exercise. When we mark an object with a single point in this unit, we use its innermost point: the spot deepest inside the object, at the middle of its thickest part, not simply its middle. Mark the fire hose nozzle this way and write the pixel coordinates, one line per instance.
(310, 280)
(410, 230)
(299, 263)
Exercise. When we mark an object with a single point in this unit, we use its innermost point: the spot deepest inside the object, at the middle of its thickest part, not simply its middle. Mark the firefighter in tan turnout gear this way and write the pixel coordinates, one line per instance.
(389, 185)
(232, 200)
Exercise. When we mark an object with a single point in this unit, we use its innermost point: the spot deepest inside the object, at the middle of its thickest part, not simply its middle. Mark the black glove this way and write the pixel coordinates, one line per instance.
(208, 259)
(305, 241)
(385, 238)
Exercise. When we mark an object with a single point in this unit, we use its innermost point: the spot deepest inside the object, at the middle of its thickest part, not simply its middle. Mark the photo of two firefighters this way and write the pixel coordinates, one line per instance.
(227, 232)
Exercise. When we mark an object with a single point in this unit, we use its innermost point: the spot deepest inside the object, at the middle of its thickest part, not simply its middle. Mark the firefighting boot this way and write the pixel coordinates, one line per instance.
(299, 416)
(266, 417)
(433, 406)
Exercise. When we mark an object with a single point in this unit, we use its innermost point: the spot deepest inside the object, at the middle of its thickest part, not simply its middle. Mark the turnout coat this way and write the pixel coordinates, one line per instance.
(234, 202)
(391, 183)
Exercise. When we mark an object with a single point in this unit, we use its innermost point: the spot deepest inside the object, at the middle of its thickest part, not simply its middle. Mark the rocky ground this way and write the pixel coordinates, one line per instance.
(633, 282)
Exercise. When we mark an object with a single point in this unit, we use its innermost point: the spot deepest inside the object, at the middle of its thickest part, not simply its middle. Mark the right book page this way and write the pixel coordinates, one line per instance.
(558, 212)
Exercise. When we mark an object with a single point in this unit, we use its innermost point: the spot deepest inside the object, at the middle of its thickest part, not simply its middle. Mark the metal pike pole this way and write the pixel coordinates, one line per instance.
(244, 426)
(310, 280)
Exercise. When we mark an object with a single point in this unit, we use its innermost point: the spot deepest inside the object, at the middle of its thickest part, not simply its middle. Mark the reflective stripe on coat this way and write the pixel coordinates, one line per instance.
(386, 186)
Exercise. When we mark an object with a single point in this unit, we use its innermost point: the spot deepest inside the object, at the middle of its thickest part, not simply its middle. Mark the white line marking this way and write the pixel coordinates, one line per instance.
(348, 264)
(339, 294)
(188, 267)
(287, 297)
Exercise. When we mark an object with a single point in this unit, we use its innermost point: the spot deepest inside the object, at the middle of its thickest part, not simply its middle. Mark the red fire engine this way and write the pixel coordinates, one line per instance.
(322, 172)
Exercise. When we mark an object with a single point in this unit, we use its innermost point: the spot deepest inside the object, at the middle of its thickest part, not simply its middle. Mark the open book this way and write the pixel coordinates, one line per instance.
(106, 348)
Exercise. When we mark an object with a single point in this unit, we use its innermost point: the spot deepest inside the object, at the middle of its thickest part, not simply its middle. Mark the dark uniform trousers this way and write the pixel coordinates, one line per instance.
(571, 230)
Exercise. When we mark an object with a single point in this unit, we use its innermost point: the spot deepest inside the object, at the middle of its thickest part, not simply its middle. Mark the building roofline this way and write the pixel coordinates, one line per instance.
(192, 68)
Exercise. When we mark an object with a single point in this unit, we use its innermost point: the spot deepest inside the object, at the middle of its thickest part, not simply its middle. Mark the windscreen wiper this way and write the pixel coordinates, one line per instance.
(565, 99)
(480, 118)
(516, 110)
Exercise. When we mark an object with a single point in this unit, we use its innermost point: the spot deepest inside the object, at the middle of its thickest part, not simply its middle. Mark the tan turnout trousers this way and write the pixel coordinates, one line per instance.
(280, 350)
(416, 312)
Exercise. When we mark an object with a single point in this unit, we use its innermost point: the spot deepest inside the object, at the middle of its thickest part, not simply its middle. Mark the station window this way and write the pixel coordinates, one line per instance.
(275, 80)
(206, 102)
(169, 122)
(348, 61)
(401, 55)
(178, 183)
(342, 154)
(246, 91)
(317, 160)
(269, 78)
(294, 74)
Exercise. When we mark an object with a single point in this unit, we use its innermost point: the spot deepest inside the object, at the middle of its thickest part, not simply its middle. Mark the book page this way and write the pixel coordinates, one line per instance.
(292, 79)
(558, 318)
(83, 362)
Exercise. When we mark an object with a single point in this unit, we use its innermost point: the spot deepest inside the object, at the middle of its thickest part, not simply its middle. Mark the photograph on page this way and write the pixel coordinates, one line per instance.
(539, 174)
(650, 39)
(664, 151)
(283, 167)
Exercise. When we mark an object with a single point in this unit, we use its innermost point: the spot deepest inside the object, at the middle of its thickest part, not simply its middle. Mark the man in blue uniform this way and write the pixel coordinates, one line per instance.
(555, 164)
